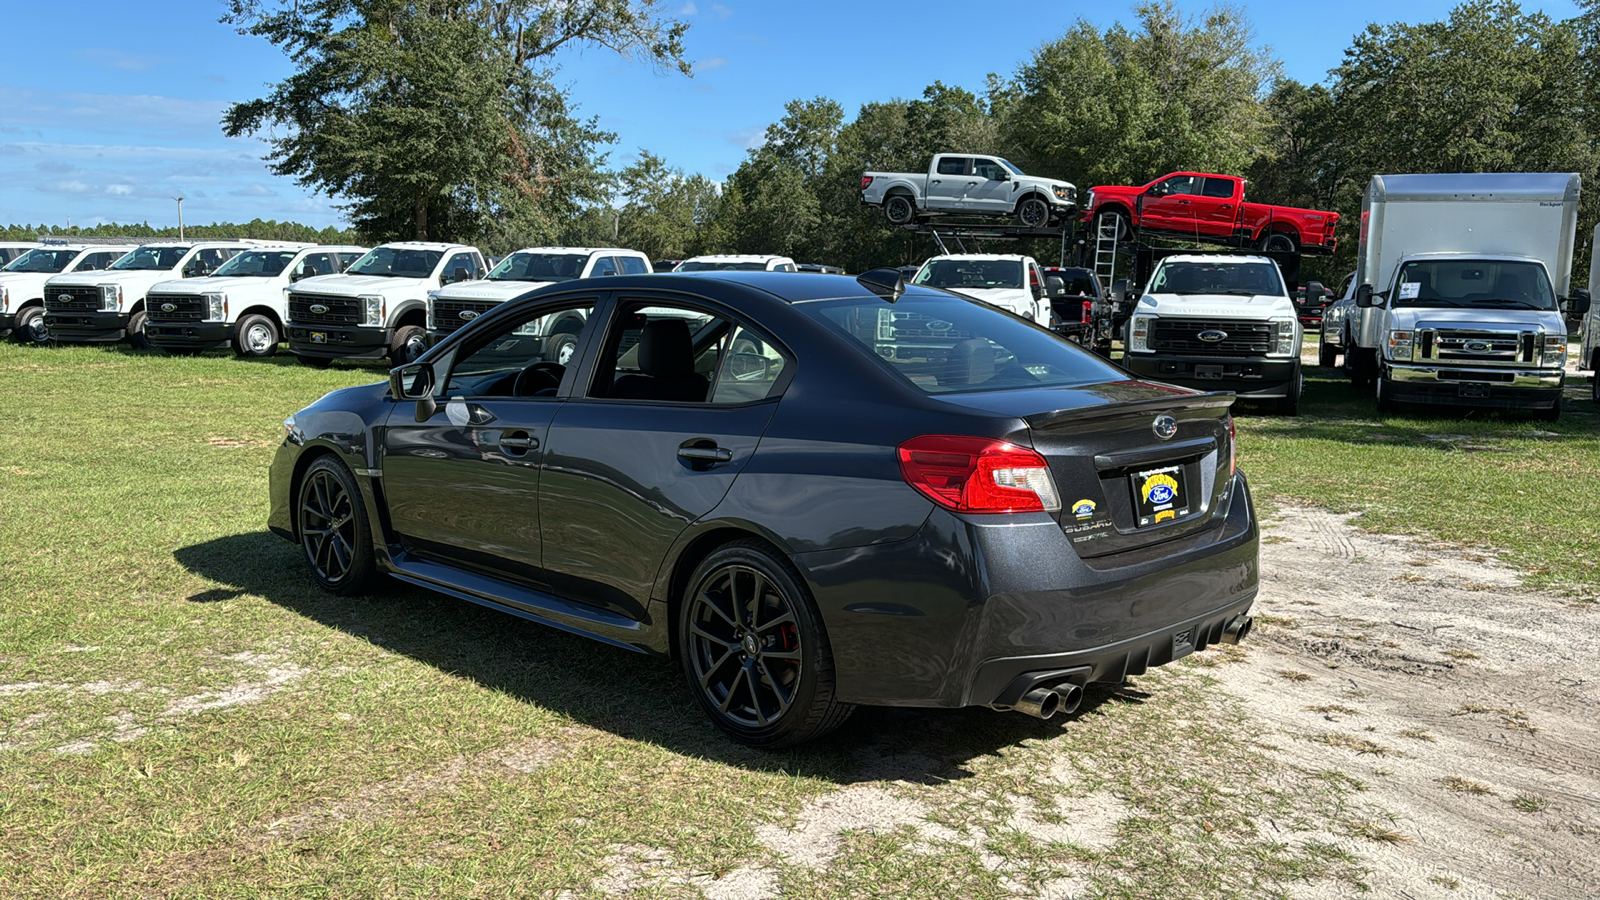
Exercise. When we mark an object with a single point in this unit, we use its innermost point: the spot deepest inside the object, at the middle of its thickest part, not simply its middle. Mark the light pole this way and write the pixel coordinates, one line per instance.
(180, 217)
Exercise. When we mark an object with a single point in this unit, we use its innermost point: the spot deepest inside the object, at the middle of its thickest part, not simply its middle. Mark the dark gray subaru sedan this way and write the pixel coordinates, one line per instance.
(813, 492)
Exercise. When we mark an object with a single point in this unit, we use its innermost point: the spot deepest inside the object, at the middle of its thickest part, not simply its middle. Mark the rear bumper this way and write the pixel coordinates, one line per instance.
(956, 614)
(88, 327)
(1485, 387)
(1256, 377)
(188, 334)
(339, 341)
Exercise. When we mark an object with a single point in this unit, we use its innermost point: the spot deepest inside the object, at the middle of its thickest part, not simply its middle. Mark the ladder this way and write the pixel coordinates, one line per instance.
(1105, 250)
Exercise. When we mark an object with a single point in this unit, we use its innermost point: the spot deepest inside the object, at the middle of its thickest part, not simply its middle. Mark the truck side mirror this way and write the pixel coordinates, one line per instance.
(1158, 190)
(1578, 303)
(1054, 285)
(1002, 175)
(297, 273)
(1364, 297)
(462, 273)
(1122, 292)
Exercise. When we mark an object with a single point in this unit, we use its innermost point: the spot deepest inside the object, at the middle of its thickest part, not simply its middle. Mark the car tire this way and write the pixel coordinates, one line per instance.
(899, 209)
(1290, 405)
(1279, 242)
(30, 327)
(136, 336)
(560, 347)
(315, 362)
(1385, 395)
(255, 337)
(1033, 212)
(1361, 365)
(754, 649)
(1327, 354)
(331, 520)
(407, 345)
(1123, 231)
(1594, 386)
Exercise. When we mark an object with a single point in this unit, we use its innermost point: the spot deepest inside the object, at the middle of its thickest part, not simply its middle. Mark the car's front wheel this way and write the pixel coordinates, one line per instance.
(408, 344)
(136, 336)
(754, 649)
(1033, 212)
(30, 326)
(255, 336)
(333, 528)
(1327, 354)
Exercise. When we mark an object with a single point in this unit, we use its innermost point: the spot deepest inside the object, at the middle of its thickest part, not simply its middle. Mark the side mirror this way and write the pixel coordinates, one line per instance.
(1004, 175)
(1122, 292)
(297, 273)
(415, 382)
(461, 273)
(1364, 297)
(1054, 285)
(1157, 190)
(1578, 303)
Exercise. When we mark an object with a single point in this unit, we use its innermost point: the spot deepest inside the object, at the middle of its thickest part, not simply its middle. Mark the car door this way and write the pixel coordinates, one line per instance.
(462, 487)
(990, 194)
(1170, 205)
(949, 183)
(669, 419)
(1215, 208)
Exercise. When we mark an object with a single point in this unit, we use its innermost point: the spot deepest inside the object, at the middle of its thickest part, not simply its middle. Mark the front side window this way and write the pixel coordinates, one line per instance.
(971, 273)
(151, 258)
(256, 263)
(986, 168)
(1483, 284)
(397, 262)
(525, 356)
(1246, 279)
(1182, 184)
(41, 260)
(101, 260)
(1013, 168)
(313, 264)
(539, 267)
(461, 262)
(943, 344)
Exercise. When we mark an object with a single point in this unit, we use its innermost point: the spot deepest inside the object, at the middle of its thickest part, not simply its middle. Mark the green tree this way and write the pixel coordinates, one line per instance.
(441, 118)
(667, 215)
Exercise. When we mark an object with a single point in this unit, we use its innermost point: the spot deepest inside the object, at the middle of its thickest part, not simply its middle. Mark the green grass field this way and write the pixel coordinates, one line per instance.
(183, 714)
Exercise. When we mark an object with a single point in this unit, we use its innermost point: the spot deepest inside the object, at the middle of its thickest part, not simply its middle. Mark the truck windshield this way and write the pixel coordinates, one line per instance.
(539, 267)
(1482, 283)
(971, 273)
(1244, 279)
(151, 258)
(1014, 169)
(397, 262)
(258, 263)
(40, 260)
(705, 266)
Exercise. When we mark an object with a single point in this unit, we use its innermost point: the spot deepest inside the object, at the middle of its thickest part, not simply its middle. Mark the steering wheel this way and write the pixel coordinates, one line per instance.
(538, 377)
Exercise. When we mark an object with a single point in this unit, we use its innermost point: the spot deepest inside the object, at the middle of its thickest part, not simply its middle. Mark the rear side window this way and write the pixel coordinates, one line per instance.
(1221, 188)
(953, 165)
(943, 344)
(633, 265)
(604, 265)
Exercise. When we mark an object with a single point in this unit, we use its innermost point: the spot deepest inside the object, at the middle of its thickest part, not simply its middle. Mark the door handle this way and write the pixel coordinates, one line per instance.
(1226, 206)
(516, 443)
(1183, 203)
(705, 454)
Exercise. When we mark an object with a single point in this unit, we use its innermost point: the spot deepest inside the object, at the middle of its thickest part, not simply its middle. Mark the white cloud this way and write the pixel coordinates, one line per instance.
(118, 59)
(715, 62)
(720, 11)
(689, 9)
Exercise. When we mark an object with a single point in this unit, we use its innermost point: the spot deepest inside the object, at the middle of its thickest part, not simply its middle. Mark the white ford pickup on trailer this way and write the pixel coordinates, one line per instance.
(966, 184)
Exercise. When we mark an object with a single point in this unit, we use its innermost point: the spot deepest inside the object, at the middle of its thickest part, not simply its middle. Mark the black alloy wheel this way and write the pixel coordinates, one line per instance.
(1033, 212)
(899, 209)
(333, 528)
(1279, 242)
(30, 327)
(754, 650)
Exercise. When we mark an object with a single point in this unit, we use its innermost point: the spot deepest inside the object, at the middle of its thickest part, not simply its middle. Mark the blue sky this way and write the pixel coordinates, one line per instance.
(109, 110)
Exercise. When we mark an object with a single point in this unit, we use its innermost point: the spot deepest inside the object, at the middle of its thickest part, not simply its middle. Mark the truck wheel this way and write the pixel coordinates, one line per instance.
(136, 338)
(407, 345)
(315, 362)
(1122, 229)
(899, 209)
(1550, 415)
(255, 336)
(1361, 364)
(1033, 212)
(1327, 354)
(30, 326)
(1279, 242)
(1385, 394)
(1290, 405)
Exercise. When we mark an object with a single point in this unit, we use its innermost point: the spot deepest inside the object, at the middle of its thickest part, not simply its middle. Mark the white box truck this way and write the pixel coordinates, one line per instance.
(1461, 280)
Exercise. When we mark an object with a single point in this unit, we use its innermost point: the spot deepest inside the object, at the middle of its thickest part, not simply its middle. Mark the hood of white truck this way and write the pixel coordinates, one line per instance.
(1409, 317)
(214, 284)
(1216, 306)
(357, 285)
(1014, 300)
(24, 281)
(485, 289)
(128, 278)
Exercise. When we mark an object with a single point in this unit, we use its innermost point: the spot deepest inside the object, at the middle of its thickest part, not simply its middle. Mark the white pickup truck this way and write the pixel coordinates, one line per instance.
(453, 306)
(379, 307)
(22, 280)
(110, 305)
(240, 304)
(1218, 322)
(964, 184)
(1012, 283)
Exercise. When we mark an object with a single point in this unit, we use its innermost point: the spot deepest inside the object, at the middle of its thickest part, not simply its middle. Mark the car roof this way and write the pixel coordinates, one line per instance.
(981, 257)
(426, 245)
(578, 250)
(736, 257)
(1217, 258)
(791, 287)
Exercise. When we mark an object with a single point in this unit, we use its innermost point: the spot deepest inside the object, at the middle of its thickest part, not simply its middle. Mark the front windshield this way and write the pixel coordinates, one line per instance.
(539, 267)
(971, 274)
(155, 258)
(1477, 283)
(41, 260)
(257, 263)
(1244, 279)
(1009, 165)
(943, 344)
(397, 262)
(707, 266)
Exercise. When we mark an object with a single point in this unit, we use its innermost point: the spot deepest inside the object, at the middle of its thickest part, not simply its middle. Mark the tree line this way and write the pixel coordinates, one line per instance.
(258, 229)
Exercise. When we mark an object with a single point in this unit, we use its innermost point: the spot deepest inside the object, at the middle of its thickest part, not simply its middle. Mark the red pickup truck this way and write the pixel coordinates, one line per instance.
(1210, 208)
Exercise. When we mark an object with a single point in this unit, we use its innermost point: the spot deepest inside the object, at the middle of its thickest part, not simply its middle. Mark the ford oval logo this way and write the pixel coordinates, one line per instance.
(64, 298)
(169, 307)
(319, 308)
(1165, 427)
(1212, 335)
(1477, 347)
(467, 315)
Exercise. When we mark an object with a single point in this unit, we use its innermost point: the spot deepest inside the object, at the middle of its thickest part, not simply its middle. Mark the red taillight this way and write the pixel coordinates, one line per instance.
(865, 181)
(978, 475)
(1233, 445)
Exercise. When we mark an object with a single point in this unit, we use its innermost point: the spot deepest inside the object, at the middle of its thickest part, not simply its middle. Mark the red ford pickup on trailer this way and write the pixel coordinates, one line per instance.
(1199, 206)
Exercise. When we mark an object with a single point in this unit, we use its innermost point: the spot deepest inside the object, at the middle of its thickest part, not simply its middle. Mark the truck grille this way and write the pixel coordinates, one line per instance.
(80, 298)
(185, 307)
(339, 310)
(1183, 336)
(447, 313)
(1477, 347)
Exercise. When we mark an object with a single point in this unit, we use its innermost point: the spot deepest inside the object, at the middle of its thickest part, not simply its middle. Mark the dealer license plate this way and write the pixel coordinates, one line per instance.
(1475, 391)
(319, 337)
(1159, 495)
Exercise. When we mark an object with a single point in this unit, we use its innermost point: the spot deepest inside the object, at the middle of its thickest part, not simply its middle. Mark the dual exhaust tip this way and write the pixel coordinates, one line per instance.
(1044, 702)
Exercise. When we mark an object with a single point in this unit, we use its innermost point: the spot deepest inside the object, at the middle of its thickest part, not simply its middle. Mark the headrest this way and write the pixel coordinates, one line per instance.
(665, 349)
